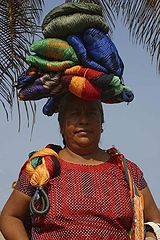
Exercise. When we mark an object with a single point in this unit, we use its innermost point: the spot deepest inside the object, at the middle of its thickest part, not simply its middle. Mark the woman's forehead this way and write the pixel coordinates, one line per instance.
(82, 104)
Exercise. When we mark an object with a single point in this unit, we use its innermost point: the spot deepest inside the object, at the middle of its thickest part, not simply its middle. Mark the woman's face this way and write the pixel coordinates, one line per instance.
(81, 125)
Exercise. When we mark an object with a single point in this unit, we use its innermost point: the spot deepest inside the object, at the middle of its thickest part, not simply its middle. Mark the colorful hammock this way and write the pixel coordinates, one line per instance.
(73, 18)
(137, 230)
(52, 55)
(91, 52)
(85, 83)
(54, 49)
(55, 63)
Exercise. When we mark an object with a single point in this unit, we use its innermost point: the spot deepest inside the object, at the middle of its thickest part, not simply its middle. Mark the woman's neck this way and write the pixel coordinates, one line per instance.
(96, 157)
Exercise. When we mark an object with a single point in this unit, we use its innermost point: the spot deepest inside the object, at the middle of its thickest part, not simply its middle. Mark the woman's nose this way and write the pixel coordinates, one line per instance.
(83, 117)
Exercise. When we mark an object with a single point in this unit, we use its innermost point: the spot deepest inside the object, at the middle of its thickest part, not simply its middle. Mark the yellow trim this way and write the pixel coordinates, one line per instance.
(44, 152)
(72, 70)
(76, 85)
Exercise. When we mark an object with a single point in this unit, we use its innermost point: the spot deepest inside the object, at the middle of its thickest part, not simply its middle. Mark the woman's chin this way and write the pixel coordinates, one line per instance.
(84, 142)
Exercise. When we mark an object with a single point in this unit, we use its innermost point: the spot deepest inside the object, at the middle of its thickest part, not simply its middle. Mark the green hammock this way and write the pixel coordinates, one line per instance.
(73, 18)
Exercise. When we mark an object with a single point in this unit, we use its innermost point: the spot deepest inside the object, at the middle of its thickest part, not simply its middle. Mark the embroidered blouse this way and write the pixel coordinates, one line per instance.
(86, 202)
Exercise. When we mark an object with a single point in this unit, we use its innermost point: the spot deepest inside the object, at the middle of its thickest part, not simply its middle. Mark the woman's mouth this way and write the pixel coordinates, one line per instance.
(82, 131)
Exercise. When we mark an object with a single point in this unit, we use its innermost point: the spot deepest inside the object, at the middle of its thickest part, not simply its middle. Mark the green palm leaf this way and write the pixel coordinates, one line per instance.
(142, 17)
(19, 20)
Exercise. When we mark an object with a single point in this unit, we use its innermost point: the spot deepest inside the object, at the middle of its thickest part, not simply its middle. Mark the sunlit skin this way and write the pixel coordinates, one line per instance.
(82, 128)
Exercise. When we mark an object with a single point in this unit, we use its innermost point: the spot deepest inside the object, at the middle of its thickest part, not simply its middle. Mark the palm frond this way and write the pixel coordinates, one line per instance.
(29, 108)
(108, 12)
(19, 20)
(142, 17)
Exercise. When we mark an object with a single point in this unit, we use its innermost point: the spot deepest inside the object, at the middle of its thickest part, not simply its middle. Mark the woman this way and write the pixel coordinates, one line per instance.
(90, 198)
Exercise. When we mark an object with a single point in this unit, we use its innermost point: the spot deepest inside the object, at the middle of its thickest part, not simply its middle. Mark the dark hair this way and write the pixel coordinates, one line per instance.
(65, 101)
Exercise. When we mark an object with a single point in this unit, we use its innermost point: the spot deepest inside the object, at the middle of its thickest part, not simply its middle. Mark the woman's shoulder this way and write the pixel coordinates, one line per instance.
(116, 154)
(55, 147)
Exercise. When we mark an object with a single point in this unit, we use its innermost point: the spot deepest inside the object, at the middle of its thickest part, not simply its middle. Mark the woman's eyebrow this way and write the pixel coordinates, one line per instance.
(73, 109)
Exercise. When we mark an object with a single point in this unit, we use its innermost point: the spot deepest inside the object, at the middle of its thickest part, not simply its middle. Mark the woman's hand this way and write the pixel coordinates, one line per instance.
(150, 238)
(151, 212)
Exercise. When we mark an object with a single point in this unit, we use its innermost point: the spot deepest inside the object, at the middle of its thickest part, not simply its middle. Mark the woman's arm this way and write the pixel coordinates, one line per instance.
(151, 211)
(13, 215)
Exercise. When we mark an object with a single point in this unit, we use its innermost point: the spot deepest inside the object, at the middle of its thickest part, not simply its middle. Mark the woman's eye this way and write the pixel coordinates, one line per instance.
(74, 113)
(92, 113)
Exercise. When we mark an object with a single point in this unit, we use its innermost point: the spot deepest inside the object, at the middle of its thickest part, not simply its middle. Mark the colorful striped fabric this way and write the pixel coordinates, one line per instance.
(49, 66)
(85, 83)
(43, 87)
(137, 230)
(52, 55)
(91, 84)
(78, 52)
(54, 49)
(28, 77)
(52, 105)
(95, 49)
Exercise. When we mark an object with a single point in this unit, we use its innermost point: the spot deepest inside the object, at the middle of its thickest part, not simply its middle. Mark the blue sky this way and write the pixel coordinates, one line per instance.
(133, 129)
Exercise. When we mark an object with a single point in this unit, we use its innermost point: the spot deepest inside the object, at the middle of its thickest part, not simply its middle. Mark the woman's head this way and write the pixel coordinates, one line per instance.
(66, 102)
(80, 122)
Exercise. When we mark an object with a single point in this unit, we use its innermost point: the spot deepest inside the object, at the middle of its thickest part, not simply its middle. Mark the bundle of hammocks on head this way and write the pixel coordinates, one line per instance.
(76, 55)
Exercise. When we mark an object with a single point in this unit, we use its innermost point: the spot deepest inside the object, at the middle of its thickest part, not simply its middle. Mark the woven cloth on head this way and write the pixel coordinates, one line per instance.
(90, 84)
(49, 66)
(83, 88)
(54, 49)
(125, 96)
(28, 77)
(75, 20)
(52, 55)
(95, 49)
(43, 87)
(71, 8)
(85, 83)
(52, 105)
(55, 61)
